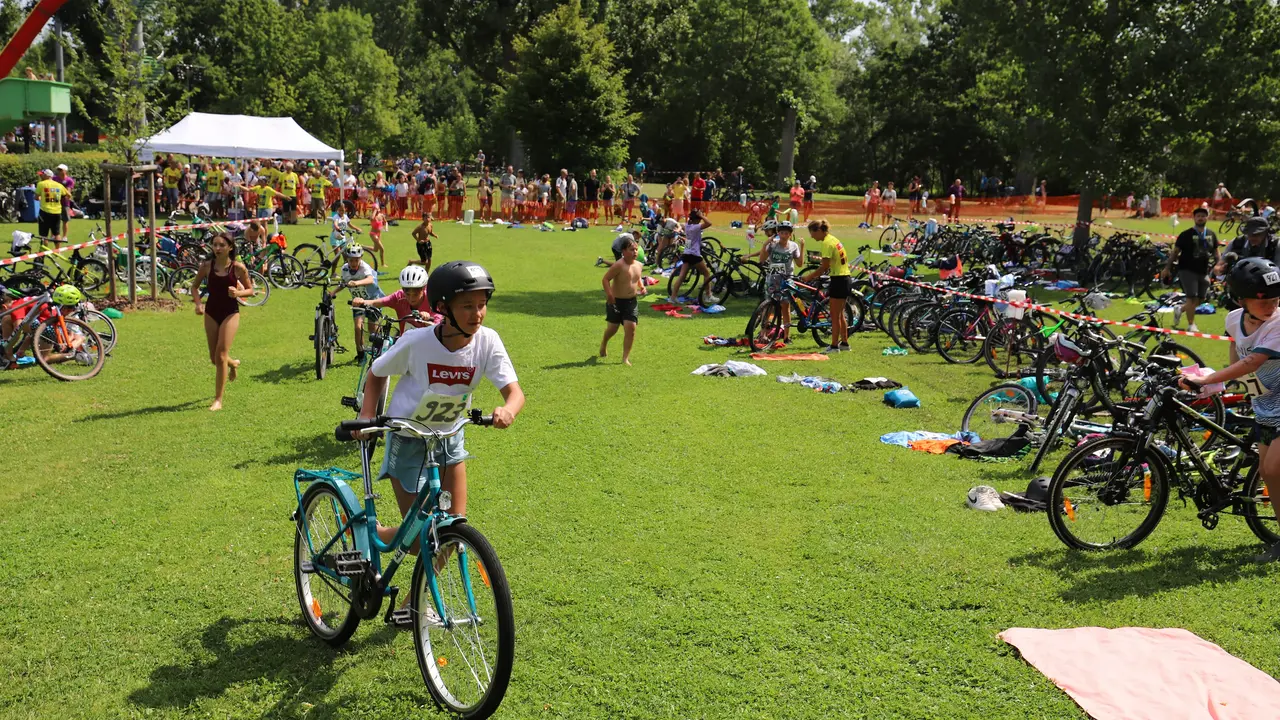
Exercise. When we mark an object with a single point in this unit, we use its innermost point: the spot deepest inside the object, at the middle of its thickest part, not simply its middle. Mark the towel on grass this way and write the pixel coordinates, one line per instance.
(801, 356)
(1166, 673)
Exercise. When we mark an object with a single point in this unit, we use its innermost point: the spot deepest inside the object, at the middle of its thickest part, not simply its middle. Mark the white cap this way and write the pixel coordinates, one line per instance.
(47, 172)
(63, 167)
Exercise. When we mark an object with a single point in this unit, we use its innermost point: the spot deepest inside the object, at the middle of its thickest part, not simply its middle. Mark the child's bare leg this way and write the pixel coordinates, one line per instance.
(628, 337)
(609, 331)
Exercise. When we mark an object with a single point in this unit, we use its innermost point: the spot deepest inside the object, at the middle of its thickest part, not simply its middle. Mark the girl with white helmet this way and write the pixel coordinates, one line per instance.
(410, 298)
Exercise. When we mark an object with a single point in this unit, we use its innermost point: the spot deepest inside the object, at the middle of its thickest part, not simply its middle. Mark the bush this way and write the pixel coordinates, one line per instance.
(20, 170)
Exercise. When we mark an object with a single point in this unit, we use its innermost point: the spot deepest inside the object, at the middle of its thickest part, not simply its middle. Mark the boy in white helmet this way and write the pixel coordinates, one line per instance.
(362, 282)
(411, 297)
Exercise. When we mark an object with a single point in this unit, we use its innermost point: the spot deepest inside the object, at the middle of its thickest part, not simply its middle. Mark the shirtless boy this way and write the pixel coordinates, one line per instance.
(621, 284)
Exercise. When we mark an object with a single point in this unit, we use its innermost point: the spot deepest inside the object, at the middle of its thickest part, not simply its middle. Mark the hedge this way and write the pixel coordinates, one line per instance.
(17, 170)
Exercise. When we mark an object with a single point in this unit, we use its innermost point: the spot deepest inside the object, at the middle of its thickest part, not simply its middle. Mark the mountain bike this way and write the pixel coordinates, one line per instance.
(325, 336)
(1111, 492)
(459, 600)
(323, 259)
(85, 272)
(810, 312)
(65, 348)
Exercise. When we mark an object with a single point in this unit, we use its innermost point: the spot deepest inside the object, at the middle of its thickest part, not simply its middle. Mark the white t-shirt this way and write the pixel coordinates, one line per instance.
(436, 385)
(1265, 340)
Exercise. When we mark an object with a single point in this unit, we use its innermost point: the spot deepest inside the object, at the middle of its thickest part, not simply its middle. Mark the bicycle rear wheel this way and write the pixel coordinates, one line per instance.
(261, 291)
(464, 629)
(321, 342)
(717, 291)
(101, 324)
(984, 416)
(1107, 494)
(1259, 513)
(959, 337)
(325, 600)
(77, 354)
(765, 327)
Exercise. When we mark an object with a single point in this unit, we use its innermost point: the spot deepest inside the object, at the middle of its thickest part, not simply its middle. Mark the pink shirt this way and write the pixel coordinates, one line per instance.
(399, 302)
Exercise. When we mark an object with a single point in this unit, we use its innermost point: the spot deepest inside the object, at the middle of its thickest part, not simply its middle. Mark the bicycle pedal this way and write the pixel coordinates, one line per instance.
(306, 567)
(348, 401)
(349, 563)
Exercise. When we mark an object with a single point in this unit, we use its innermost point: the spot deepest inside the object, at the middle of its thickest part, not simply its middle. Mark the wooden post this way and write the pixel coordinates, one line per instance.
(151, 219)
(132, 276)
(111, 246)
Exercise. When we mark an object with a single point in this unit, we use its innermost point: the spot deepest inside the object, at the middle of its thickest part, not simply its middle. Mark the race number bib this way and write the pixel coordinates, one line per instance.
(1253, 386)
(442, 412)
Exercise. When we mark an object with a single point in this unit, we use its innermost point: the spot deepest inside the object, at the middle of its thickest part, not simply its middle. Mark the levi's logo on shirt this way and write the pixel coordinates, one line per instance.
(450, 374)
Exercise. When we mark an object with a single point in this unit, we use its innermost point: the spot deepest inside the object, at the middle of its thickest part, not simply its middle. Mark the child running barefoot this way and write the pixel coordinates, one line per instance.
(422, 239)
(1255, 358)
(376, 225)
(622, 282)
(440, 368)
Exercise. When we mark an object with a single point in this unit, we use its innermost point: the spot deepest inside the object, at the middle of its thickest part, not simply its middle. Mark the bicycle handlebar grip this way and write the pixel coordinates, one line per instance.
(343, 432)
(479, 418)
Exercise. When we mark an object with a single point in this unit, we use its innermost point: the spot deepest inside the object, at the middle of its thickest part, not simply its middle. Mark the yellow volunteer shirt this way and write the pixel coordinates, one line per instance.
(289, 184)
(50, 193)
(171, 176)
(833, 250)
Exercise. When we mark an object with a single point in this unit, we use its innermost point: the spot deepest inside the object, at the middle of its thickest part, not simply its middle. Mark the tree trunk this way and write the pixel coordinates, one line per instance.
(787, 160)
(1084, 216)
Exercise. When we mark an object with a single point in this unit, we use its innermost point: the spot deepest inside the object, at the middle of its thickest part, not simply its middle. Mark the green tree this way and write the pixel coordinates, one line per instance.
(348, 94)
(565, 96)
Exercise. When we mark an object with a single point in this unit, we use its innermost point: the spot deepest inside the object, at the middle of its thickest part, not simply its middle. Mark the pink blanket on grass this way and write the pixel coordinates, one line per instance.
(1139, 673)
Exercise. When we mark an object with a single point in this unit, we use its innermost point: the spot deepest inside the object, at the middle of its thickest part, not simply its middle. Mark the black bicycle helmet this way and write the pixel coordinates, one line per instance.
(453, 277)
(1254, 226)
(1254, 278)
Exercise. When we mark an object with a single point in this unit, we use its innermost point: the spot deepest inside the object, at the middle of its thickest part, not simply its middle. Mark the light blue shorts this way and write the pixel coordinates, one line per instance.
(407, 460)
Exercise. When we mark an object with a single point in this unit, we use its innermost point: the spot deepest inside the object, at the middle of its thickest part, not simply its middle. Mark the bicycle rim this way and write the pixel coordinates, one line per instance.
(985, 415)
(465, 637)
(1107, 494)
(325, 601)
(57, 353)
(1259, 514)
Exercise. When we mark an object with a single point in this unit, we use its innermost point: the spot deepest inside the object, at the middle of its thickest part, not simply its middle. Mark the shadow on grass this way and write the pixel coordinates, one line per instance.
(320, 450)
(297, 665)
(1123, 573)
(552, 303)
(589, 362)
(288, 372)
(188, 405)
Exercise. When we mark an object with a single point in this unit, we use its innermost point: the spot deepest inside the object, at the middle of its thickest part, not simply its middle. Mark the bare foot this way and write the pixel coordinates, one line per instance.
(231, 371)
(216, 406)
(626, 362)
(603, 352)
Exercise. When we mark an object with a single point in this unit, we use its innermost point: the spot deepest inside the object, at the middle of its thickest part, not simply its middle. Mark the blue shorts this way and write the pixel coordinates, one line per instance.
(264, 213)
(407, 460)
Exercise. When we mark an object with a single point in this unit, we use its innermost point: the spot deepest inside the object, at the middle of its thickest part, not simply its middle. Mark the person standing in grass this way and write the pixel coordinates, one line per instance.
(797, 196)
(422, 240)
(561, 199)
(700, 192)
(781, 258)
(622, 282)
(809, 189)
(955, 194)
(484, 192)
(1194, 252)
(630, 191)
(606, 198)
(888, 200)
(571, 199)
(591, 196)
(227, 281)
(692, 257)
(872, 201)
(508, 185)
(50, 193)
(835, 262)
(679, 189)
(639, 170)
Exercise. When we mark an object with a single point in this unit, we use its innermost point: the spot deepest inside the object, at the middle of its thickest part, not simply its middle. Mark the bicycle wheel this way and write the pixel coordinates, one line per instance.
(180, 282)
(89, 274)
(261, 291)
(464, 629)
(717, 291)
(890, 239)
(63, 356)
(920, 326)
(285, 272)
(982, 416)
(959, 337)
(321, 342)
(765, 327)
(101, 324)
(325, 600)
(1228, 225)
(1107, 494)
(689, 288)
(309, 255)
(1259, 513)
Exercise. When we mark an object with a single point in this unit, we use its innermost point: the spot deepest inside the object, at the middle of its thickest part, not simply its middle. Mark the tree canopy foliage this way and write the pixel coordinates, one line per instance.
(1171, 96)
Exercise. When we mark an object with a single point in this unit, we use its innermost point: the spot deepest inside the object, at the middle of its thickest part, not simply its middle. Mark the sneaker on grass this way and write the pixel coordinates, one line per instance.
(985, 498)
(829, 350)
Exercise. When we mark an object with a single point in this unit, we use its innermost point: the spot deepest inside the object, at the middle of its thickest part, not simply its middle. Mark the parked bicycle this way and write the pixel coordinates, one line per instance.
(65, 348)
(324, 338)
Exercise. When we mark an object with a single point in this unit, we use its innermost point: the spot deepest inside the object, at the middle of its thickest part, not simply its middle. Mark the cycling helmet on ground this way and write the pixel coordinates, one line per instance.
(453, 277)
(1255, 226)
(413, 277)
(67, 295)
(1257, 278)
(353, 251)
(785, 225)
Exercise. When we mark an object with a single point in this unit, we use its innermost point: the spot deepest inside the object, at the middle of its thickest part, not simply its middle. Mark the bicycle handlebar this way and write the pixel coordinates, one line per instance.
(381, 424)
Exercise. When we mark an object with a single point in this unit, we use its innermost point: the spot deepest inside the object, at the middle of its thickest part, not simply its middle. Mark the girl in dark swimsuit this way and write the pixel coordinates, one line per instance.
(221, 310)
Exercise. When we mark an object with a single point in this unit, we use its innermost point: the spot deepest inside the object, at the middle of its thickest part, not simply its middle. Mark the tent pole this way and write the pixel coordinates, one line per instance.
(133, 269)
(111, 246)
(151, 219)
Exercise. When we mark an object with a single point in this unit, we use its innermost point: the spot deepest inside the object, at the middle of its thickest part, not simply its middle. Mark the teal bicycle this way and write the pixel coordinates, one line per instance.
(459, 601)
(380, 339)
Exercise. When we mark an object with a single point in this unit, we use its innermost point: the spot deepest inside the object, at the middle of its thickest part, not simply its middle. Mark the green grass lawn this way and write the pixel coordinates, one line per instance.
(677, 546)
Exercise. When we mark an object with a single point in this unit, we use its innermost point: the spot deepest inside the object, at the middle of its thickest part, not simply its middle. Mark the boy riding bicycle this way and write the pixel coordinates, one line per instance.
(439, 368)
(361, 280)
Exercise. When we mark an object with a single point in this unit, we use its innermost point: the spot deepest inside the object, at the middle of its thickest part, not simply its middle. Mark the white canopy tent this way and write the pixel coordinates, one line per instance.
(237, 136)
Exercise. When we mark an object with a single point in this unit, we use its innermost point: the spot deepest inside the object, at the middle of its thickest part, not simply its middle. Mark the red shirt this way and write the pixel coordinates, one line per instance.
(399, 301)
(699, 189)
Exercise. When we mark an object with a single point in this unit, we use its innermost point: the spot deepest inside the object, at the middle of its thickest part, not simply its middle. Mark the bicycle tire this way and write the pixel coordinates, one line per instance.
(689, 288)
(1258, 512)
(179, 282)
(897, 324)
(502, 622)
(89, 274)
(1064, 514)
(320, 341)
(956, 343)
(920, 327)
(26, 284)
(313, 610)
(261, 288)
(822, 333)
(285, 272)
(311, 257)
(1005, 394)
(765, 326)
(101, 324)
(45, 345)
(717, 291)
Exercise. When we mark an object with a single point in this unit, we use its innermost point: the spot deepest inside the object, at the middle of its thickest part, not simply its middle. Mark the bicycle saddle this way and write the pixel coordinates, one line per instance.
(1165, 361)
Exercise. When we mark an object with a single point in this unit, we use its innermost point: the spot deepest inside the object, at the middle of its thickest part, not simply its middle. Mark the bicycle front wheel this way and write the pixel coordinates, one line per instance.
(74, 354)
(464, 629)
(1259, 514)
(766, 326)
(1107, 494)
(101, 324)
(261, 291)
(325, 599)
(988, 415)
(321, 342)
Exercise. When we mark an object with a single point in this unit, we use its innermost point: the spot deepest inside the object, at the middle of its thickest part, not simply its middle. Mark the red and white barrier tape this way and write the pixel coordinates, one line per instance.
(1054, 311)
(121, 236)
